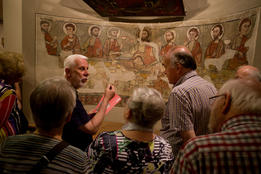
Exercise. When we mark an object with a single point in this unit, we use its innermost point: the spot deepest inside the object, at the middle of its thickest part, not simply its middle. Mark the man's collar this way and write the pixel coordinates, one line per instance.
(185, 77)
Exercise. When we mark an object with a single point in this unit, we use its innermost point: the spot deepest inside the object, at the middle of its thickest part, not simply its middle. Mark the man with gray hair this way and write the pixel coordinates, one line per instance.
(235, 147)
(52, 103)
(248, 71)
(78, 132)
(188, 106)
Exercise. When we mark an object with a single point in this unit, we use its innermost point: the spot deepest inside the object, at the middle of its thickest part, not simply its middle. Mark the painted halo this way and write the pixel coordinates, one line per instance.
(64, 28)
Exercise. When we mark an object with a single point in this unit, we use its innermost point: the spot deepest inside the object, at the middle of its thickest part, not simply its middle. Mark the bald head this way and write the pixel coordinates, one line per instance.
(248, 71)
(181, 49)
(182, 55)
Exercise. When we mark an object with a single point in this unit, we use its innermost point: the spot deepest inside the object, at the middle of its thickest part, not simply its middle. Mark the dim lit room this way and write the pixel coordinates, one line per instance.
(139, 86)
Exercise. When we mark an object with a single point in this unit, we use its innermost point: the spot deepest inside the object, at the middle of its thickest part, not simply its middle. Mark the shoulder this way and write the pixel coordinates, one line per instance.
(201, 144)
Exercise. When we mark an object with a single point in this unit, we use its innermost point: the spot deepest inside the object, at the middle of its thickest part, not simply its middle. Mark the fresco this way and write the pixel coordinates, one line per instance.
(130, 55)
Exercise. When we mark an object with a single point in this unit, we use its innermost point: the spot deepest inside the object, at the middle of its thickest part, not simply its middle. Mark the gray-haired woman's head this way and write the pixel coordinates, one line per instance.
(51, 102)
(146, 107)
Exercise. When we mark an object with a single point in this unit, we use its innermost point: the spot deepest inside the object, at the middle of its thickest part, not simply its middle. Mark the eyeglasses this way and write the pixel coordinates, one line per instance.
(215, 96)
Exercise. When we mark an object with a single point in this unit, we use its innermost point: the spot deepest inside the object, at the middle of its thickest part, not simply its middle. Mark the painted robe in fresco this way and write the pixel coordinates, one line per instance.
(215, 49)
(93, 47)
(240, 57)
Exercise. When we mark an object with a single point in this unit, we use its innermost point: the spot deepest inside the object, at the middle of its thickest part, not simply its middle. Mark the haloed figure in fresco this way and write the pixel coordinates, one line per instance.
(216, 47)
(70, 43)
(193, 44)
(112, 47)
(238, 44)
(169, 36)
(93, 45)
(145, 48)
(50, 42)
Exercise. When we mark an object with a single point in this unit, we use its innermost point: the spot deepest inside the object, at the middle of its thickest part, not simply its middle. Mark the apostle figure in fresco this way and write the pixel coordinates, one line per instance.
(193, 44)
(112, 48)
(93, 45)
(216, 47)
(146, 49)
(50, 42)
(238, 44)
(70, 43)
(169, 36)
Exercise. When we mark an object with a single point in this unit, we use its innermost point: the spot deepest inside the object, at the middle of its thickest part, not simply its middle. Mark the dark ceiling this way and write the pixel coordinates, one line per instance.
(144, 8)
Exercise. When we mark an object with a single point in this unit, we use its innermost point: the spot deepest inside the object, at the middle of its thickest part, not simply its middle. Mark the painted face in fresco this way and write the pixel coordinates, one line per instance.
(245, 28)
(216, 32)
(144, 35)
(169, 36)
(114, 33)
(69, 30)
(95, 31)
(45, 27)
(192, 35)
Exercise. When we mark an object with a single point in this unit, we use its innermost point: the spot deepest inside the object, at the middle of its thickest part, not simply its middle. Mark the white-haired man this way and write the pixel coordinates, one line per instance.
(236, 145)
(78, 132)
(248, 71)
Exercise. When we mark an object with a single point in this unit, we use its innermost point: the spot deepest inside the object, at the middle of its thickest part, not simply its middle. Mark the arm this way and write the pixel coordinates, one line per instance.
(94, 124)
(180, 119)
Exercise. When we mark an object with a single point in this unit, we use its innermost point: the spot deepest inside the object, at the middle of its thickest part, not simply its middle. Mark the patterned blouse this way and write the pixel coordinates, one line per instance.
(112, 152)
(12, 119)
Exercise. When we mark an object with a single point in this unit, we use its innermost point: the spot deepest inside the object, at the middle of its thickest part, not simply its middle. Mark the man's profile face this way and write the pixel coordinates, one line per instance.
(78, 74)
(170, 71)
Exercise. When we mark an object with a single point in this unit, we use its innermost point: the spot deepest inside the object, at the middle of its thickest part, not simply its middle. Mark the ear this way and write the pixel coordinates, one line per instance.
(179, 68)
(68, 118)
(67, 73)
(227, 104)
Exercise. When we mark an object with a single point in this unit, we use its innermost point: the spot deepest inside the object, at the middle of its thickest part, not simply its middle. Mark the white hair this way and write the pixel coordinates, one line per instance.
(70, 60)
(245, 95)
(147, 106)
(249, 71)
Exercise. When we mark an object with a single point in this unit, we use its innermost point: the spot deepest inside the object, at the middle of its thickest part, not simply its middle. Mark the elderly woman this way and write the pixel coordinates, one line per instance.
(12, 120)
(135, 148)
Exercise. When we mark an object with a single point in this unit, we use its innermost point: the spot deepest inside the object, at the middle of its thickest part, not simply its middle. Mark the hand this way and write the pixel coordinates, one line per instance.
(109, 92)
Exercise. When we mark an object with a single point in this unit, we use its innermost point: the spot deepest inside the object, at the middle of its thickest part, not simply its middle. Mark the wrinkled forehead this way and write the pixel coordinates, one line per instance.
(81, 62)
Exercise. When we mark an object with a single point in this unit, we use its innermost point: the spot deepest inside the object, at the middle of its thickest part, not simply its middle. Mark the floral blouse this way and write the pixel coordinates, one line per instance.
(112, 152)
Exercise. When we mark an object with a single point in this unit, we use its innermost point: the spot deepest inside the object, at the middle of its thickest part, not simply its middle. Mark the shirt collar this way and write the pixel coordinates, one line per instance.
(185, 77)
(241, 120)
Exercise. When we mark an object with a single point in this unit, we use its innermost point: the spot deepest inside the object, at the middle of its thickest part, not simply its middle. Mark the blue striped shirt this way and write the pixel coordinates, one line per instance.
(188, 108)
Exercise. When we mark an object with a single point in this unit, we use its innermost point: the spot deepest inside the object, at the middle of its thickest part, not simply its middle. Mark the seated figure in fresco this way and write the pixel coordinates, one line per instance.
(93, 45)
(135, 148)
(70, 43)
(238, 44)
(112, 47)
(169, 36)
(50, 42)
(216, 48)
(193, 44)
(146, 49)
